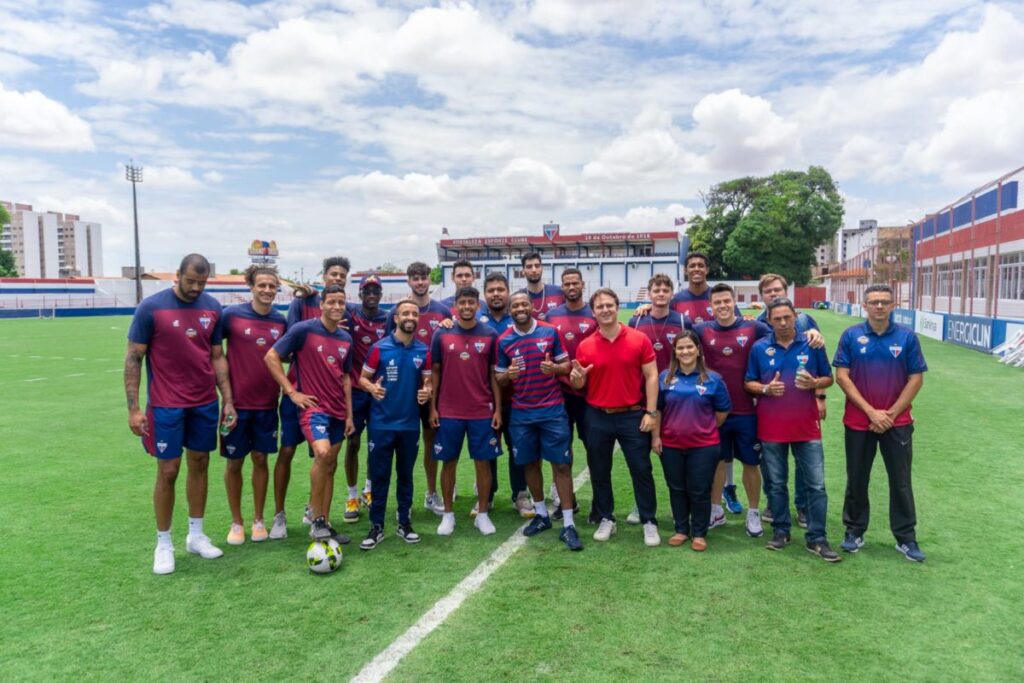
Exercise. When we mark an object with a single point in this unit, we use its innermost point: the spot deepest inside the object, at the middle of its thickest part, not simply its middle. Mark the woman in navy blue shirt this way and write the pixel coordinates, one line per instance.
(693, 402)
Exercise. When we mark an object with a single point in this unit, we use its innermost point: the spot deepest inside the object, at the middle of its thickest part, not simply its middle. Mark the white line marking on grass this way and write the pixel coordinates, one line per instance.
(34, 379)
(76, 374)
(116, 370)
(76, 358)
(35, 357)
(384, 663)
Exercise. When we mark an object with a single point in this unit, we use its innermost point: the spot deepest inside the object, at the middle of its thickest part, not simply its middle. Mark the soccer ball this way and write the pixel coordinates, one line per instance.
(323, 557)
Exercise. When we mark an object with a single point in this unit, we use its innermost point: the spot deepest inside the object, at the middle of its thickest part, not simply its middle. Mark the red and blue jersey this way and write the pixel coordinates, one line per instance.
(879, 365)
(179, 335)
(794, 415)
(431, 316)
(804, 322)
(534, 391)
(688, 408)
(662, 332)
(366, 331)
(249, 336)
(466, 358)
(307, 308)
(574, 327)
(320, 359)
(543, 301)
(402, 369)
(726, 351)
(695, 308)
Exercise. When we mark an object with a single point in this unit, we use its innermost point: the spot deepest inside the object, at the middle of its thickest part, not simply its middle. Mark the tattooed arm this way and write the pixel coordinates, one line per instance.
(137, 421)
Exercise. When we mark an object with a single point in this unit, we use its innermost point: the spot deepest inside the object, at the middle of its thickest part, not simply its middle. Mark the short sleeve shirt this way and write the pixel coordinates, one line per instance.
(401, 369)
(249, 336)
(662, 332)
(688, 408)
(320, 359)
(465, 357)
(793, 416)
(616, 380)
(726, 350)
(533, 390)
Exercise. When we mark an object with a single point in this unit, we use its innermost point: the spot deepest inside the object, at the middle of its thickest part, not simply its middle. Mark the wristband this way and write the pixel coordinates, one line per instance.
(821, 396)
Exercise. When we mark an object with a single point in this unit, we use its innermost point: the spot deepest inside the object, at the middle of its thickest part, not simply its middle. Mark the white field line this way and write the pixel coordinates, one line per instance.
(34, 379)
(385, 662)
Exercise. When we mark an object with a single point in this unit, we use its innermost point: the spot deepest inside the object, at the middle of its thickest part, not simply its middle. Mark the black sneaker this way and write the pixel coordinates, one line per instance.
(779, 541)
(823, 550)
(342, 539)
(407, 533)
(911, 551)
(766, 514)
(375, 536)
(571, 539)
(320, 530)
(537, 525)
(801, 519)
(594, 518)
(557, 514)
(852, 542)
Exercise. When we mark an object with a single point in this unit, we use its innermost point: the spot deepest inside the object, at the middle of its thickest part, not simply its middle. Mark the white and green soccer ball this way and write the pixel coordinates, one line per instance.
(323, 557)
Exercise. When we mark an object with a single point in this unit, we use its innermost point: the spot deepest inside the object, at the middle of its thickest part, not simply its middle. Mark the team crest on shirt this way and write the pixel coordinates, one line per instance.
(895, 350)
(671, 336)
(380, 332)
(483, 318)
(369, 445)
(584, 327)
(274, 332)
(205, 321)
(191, 333)
(862, 339)
(438, 448)
(727, 351)
(710, 310)
(701, 389)
(418, 362)
(322, 429)
(464, 356)
(260, 341)
(551, 304)
(434, 324)
(803, 358)
(342, 351)
(230, 449)
(770, 351)
(161, 446)
(479, 346)
(742, 340)
(542, 345)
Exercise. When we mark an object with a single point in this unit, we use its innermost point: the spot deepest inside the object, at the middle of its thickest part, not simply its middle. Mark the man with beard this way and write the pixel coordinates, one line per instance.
(544, 297)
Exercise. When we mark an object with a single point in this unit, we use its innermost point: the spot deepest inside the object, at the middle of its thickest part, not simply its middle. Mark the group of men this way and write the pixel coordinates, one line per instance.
(528, 369)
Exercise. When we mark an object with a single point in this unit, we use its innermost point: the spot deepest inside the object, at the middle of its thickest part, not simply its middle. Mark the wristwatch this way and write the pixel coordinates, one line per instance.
(651, 413)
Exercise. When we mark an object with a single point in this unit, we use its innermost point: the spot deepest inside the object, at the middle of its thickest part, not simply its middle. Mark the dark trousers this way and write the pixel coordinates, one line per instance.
(689, 473)
(603, 430)
(516, 473)
(896, 445)
(383, 445)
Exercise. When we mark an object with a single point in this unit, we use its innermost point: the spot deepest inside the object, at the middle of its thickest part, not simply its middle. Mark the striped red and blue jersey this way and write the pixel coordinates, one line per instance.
(249, 336)
(879, 365)
(320, 359)
(688, 408)
(180, 336)
(662, 332)
(533, 390)
(543, 301)
(465, 358)
(402, 369)
(726, 351)
(366, 330)
(794, 415)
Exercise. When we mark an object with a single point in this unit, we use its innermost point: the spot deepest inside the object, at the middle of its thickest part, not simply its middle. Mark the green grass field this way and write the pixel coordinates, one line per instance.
(79, 600)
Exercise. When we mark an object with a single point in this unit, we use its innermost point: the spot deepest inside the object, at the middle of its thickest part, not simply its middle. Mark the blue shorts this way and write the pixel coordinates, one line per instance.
(483, 440)
(255, 430)
(171, 430)
(361, 402)
(739, 439)
(318, 425)
(291, 432)
(547, 439)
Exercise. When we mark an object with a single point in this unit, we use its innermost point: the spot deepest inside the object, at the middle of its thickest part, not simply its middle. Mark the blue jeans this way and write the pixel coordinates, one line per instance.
(810, 463)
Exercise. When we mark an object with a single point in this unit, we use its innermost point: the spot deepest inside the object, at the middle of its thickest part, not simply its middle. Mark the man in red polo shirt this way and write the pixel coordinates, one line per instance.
(619, 368)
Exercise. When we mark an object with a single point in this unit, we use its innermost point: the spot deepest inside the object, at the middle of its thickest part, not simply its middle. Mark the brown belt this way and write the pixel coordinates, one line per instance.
(623, 409)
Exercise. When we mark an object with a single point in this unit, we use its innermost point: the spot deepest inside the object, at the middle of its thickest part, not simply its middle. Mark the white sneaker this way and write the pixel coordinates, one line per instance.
(634, 516)
(484, 524)
(447, 525)
(524, 505)
(280, 528)
(555, 500)
(605, 530)
(200, 545)
(754, 527)
(717, 519)
(651, 536)
(163, 559)
(307, 516)
(432, 502)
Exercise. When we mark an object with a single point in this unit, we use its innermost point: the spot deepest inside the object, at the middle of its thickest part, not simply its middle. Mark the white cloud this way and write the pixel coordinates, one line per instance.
(32, 120)
(745, 134)
(211, 16)
(647, 148)
(531, 183)
(639, 219)
(170, 178)
(415, 188)
(213, 177)
(11, 65)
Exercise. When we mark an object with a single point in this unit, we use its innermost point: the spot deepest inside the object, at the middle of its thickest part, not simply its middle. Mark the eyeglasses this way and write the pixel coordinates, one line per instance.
(878, 303)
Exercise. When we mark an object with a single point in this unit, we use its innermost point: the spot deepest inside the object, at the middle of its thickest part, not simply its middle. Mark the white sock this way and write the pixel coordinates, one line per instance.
(482, 516)
(353, 492)
(368, 486)
(451, 516)
(540, 508)
(163, 538)
(716, 510)
(567, 518)
(757, 510)
(195, 526)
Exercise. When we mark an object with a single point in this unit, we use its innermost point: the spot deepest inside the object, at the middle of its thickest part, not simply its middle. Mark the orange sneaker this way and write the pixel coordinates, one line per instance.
(259, 531)
(236, 536)
(351, 515)
(677, 540)
(699, 544)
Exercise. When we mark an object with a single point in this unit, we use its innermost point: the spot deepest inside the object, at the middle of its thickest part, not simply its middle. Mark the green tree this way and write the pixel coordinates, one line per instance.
(7, 267)
(768, 225)
(388, 267)
(234, 271)
(435, 275)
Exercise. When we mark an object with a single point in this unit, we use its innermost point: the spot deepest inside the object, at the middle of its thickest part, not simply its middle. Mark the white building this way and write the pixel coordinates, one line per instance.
(52, 245)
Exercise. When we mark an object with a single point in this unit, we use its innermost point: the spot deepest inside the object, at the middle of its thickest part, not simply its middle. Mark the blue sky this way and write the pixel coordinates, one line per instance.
(362, 127)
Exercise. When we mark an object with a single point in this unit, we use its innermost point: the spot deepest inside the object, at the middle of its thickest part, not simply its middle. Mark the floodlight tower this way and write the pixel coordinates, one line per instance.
(133, 174)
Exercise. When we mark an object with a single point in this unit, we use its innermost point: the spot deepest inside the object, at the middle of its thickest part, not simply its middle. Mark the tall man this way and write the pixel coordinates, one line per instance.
(178, 332)
(432, 316)
(396, 374)
(727, 341)
(660, 323)
(693, 303)
(466, 405)
(463, 275)
(880, 368)
(368, 324)
(544, 297)
(249, 331)
(321, 354)
(305, 306)
(785, 372)
(617, 365)
(575, 322)
(530, 359)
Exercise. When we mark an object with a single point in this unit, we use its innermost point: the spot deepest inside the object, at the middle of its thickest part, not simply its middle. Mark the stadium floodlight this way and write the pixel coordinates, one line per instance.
(133, 174)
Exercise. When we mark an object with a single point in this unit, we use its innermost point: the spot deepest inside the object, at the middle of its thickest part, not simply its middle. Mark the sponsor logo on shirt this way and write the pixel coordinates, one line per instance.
(330, 359)
(569, 335)
(770, 351)
(365, 340)
(464, 356)
(423, 333)
(260, 341)
(727, 351)
(862, 339)
(483, 318)
(191, 333)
